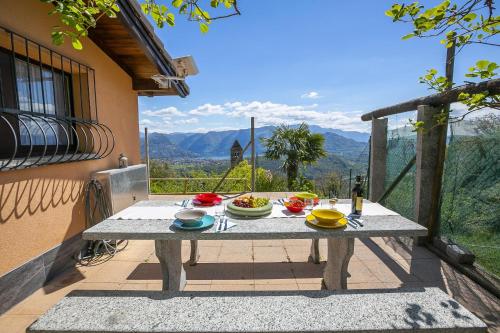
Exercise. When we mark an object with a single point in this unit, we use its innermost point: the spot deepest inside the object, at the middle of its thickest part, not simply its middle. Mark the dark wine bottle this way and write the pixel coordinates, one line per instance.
(357, 197)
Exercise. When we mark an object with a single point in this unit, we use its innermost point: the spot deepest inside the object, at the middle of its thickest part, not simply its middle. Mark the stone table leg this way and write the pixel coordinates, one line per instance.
(314, 256)
(340, 251)
(195, 255)
(170, 256)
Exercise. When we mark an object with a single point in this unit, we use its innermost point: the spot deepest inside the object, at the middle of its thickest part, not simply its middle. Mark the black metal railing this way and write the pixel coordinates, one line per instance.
(48, 107)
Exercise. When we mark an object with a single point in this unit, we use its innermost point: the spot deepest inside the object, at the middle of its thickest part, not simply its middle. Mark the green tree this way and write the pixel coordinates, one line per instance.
(295, 146)
(457, 24)
(79, 16)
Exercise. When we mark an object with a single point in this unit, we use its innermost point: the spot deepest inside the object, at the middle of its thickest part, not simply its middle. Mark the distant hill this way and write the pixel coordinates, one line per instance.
(216, 144)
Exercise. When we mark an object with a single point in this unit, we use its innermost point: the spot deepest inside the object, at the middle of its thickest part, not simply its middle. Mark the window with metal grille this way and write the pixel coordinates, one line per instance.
(48, 107)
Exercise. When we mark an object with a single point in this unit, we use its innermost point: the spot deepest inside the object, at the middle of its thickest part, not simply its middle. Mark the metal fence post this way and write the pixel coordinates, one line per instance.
(252, 140)
(146, 156)
(378, 158)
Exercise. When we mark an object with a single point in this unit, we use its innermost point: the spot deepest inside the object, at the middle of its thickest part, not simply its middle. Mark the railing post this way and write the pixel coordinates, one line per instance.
(378, 158)
(185, 185)
(146, 156)
(252, 159)
(427, 165)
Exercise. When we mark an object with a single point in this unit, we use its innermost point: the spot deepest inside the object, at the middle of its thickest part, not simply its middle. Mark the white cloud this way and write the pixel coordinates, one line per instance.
(269, 113)
(207, 110)
(311, 95)
(186, 121)
(265, 112)
(165, 112)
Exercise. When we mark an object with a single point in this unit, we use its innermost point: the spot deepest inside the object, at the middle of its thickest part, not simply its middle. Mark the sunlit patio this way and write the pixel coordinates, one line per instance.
(262, 265)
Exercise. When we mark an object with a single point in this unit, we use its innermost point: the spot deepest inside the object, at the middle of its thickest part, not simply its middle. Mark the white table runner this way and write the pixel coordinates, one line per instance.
(168, 212)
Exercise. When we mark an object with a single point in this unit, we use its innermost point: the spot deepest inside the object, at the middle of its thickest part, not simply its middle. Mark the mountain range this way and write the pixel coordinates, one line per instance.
(216, 144)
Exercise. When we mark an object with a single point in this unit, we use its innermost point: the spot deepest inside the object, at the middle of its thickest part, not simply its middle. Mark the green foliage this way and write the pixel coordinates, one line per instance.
(459, 25)
(295, 147)
(330, 185)
(78, 16)
(302, 184)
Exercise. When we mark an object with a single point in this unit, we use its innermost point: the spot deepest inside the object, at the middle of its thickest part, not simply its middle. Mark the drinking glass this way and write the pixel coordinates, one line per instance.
(333, 201)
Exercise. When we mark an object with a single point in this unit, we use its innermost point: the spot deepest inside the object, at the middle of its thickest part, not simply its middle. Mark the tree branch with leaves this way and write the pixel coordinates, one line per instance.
(473, 22)
(79, 16)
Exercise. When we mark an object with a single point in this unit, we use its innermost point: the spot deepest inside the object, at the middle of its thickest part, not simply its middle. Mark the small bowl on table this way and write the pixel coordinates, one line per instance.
(190, 217)
(327, 216)
(295, 206)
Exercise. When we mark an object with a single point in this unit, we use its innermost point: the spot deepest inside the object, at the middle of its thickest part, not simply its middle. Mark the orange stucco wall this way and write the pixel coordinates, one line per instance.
(41, 207)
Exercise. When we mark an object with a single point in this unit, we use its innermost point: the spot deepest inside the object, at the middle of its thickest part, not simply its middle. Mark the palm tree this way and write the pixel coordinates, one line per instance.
(296, 146)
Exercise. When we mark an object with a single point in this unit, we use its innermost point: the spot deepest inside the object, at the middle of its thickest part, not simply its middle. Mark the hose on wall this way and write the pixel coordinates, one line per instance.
(97, 209)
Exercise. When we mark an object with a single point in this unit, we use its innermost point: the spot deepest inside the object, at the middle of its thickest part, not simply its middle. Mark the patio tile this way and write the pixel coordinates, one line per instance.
(390, 271)
(134, 286)
(243, 254)
(145, 273)
(266, 242)
(427, 270)
(210, 243)
(237, 243)
(40, 301)
(297, 253)
(209, 254)
(99, 286)
(307, 270)
(374, 285)
(273, 271)
(269, 254)
(16, 323)
(197, 287)
(275, 281)
(115, 271)
(360, 273)
(310, 286)
(317, 280)
(232, 287)
(305, 243)
(276, 287)
(155, 286)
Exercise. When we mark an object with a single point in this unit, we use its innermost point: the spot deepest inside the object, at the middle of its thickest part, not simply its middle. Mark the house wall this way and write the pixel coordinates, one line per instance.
(44, 206)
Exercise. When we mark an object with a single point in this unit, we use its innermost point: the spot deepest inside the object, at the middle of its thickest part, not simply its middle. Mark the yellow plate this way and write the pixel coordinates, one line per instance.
(339, 224)
(327, 216)
(306, 195)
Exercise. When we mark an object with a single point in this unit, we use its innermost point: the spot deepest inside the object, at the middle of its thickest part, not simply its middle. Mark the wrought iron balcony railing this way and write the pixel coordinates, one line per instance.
(48, 107)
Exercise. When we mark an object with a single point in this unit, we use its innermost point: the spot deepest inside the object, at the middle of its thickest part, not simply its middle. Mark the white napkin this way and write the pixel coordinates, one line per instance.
(153, 213)
(229, 225)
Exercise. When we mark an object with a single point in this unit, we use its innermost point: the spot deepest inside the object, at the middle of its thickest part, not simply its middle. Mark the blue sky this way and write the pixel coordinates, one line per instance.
(320, 61)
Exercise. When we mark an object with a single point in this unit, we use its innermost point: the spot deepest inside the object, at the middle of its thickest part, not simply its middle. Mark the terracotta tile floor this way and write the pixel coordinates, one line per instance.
(262, 265)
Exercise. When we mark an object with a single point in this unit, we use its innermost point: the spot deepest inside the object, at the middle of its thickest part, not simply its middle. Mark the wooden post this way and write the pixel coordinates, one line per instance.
(252, 140)
(185, 185)
(378, 158)
(146, 155)
(426, 166)
(433, 224)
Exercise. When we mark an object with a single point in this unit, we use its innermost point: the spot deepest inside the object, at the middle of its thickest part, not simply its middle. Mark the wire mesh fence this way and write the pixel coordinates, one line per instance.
(470, 199)
(401, 149)
(470, 202)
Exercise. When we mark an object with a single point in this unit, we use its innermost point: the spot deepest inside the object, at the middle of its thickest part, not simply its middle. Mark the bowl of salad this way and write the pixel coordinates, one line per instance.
(250, 206)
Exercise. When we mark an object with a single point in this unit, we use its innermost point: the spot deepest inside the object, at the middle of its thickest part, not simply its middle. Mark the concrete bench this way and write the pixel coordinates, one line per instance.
(312, 311)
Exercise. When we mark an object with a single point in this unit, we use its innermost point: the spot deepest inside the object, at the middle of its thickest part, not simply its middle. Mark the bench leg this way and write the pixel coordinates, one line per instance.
(340, 251)
(314, 256)
(195, 255)
(170, 256)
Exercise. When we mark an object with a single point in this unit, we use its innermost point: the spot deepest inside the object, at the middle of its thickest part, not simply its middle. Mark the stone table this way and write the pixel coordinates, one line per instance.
(168, 239)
